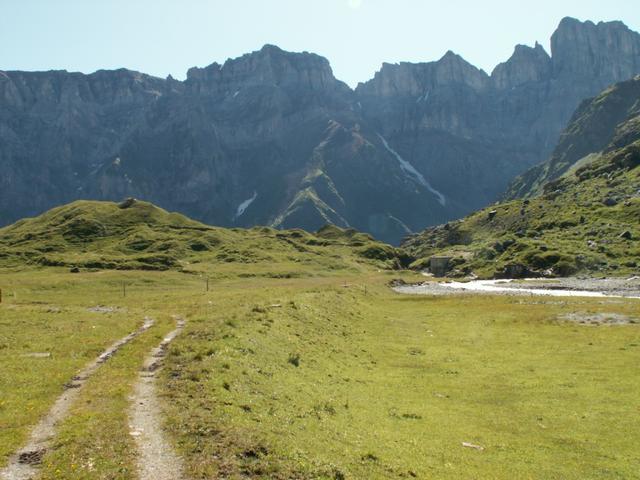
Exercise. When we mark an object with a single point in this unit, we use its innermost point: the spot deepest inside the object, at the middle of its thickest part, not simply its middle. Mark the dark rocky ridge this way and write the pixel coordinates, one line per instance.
(598, 126)
(279, 128)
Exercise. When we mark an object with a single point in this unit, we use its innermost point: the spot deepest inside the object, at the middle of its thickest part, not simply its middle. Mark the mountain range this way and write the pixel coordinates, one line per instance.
(273, 138)
(580, 217)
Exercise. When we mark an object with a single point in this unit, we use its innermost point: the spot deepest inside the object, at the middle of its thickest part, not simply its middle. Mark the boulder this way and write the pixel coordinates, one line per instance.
(516, 270)
(127, 202)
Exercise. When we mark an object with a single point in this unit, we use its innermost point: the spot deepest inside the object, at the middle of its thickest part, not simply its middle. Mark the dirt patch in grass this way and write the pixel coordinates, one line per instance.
(595, 319)
(156, 458)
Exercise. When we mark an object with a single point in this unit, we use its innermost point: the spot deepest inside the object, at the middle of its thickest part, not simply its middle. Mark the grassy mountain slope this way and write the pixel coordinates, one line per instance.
(106, 235)
(587, 218)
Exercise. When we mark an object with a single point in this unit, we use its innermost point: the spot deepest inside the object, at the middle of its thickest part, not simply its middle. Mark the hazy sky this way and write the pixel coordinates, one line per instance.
(164, 37)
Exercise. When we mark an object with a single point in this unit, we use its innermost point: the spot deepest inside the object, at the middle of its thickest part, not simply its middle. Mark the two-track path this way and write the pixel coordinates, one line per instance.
(23, 465)
(156, 459)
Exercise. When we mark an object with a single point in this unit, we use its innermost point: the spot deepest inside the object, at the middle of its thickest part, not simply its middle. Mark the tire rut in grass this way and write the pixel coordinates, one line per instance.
(23, 465)
(156, 459)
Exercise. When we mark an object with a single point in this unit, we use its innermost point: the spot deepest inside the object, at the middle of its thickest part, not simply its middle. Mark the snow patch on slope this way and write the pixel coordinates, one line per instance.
(244, 205)
(423, 98)
(412, 173)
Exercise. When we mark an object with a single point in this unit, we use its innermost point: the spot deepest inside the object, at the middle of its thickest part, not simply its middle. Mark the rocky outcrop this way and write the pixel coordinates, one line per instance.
(526, 65)
(274, 138)
(417, 79)
(269, 67)
(607, 51)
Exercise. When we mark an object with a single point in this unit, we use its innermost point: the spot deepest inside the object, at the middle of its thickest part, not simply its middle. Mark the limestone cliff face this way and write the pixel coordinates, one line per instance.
(604, 51)
(526, 65)
(473, 133)
(416, 79)
(270, 66)
(57, 127)
(273, 137)
(600, 124)
(587, 58)
(440, 95)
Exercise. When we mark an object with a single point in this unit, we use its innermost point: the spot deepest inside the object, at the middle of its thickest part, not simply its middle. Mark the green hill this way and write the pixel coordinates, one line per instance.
(586, 218)
(138, 235)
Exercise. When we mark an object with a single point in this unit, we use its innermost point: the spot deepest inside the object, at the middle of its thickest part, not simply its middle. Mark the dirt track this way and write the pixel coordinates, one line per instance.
(156, 459)
(23, 465)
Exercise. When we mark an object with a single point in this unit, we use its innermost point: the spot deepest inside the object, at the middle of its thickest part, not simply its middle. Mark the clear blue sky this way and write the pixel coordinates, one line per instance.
(164, 37)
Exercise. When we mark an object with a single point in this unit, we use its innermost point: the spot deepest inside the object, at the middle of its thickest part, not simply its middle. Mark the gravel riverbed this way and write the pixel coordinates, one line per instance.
(557, 287)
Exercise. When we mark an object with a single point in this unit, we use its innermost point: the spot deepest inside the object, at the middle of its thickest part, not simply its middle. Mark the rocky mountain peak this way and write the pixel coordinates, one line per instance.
(527, 64)
(57, 88)
(451, 56)
(453, 69)
(269, 66)
(608, 50)
(414, 79)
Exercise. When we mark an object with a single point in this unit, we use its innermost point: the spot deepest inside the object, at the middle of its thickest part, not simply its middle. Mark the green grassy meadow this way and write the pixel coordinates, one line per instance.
(328, 374)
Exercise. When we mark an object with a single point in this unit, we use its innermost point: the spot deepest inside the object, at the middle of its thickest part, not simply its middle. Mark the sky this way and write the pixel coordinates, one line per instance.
(163, 37)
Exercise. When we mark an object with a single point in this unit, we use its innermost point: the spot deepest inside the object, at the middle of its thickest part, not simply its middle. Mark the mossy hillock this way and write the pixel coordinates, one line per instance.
(137, 235)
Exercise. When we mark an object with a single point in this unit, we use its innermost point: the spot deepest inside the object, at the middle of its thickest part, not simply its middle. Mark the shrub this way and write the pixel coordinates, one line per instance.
(542, 260)
(565, 268)
(371, 457)
(294, 359)
(378, 252)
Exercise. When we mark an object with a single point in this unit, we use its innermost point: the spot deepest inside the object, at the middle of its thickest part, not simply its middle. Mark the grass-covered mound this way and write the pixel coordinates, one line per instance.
(138, 235)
